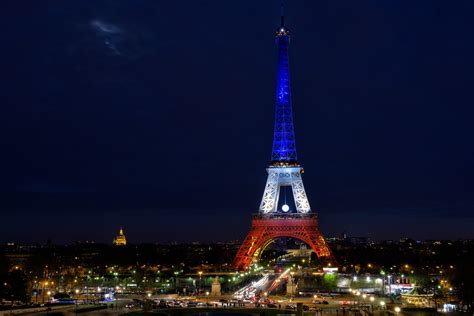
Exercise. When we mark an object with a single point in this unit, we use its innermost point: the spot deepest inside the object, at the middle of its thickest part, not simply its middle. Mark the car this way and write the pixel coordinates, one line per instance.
(162, 304)
(272, 305)
(291, 307)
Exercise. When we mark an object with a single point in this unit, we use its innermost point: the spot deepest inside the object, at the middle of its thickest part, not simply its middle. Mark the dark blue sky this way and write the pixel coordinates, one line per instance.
(158, 116)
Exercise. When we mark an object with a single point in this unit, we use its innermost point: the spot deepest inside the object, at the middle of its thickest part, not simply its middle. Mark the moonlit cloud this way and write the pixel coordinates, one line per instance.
(109, 34)
(105, 27)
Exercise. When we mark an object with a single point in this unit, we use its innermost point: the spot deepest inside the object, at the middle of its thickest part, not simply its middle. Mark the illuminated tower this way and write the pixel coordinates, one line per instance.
(120, 240)
(284, 171)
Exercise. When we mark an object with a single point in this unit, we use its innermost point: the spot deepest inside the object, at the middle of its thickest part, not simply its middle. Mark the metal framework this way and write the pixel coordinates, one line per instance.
(266, 229)
(284, 147)
(284, 170)
(285, 176)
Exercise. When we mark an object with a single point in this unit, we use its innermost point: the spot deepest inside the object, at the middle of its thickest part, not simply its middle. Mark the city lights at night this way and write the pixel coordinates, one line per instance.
(151, 166)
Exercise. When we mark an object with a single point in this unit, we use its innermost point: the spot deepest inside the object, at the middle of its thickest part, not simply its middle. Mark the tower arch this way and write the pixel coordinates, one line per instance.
(266, 229)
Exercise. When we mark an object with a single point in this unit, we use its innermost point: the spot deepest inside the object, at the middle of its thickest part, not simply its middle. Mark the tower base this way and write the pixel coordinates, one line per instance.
(266, 228)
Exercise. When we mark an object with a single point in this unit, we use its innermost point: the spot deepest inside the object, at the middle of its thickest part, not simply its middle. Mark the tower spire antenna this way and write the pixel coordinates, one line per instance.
(282, 14)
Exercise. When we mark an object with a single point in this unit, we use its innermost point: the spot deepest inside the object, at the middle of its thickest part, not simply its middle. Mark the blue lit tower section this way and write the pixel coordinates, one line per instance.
(284, 147)
(284, 169)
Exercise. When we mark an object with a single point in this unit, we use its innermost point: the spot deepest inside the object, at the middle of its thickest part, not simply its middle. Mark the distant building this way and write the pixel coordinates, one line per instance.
(120, 240)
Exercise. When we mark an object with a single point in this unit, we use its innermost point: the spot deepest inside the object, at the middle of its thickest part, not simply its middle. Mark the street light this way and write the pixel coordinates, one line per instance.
(372, 299)
(75, 300)
(200, 276)
(292, 273)
(397, 310)
(176, 281)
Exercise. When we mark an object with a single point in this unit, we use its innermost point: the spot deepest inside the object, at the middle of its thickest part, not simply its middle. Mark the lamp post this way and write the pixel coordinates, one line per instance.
(397, 310)
(200, 281)
(382, 306)
(292, 273)
(176, 281)
(389, 278)
(358, 299)
(77, 292)
(364, 296)
(45, 284)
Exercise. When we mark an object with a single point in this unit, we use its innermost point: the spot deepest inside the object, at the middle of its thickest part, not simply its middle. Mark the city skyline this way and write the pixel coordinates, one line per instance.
(140, 124)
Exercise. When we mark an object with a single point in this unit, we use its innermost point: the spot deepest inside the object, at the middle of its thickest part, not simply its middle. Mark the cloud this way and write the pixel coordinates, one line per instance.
(109, 34)
(105, 28)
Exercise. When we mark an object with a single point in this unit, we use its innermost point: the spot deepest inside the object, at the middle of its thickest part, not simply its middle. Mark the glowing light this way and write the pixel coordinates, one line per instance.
(285, 208)
(397, 309)
(284, 148)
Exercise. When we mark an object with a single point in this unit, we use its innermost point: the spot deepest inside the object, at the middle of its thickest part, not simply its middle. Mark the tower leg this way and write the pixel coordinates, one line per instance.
(299, 194)
(272, 193)
(266, 229)
(250, 245)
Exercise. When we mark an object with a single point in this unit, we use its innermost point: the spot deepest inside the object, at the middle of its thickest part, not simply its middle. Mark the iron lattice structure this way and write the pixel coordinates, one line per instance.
(284, 170)
(285, 176)
(266, 229)
(284, 147)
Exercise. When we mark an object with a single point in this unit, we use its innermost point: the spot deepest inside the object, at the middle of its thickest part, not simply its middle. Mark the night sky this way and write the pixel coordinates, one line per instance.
(158, 116)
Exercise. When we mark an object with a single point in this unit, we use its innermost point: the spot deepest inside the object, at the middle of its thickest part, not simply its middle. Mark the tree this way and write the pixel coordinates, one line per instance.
(464, 285)
(16, 287)
(329, 282)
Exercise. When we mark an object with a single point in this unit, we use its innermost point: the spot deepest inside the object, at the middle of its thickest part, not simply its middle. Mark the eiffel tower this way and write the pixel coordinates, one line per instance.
(271, 223)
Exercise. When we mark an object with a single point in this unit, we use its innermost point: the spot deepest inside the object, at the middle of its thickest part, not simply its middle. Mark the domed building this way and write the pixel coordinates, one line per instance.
(120, 240)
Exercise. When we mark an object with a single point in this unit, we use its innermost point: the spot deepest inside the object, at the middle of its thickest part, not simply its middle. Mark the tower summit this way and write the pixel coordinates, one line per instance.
(284, 169)
(270, 222)
(284, 147)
